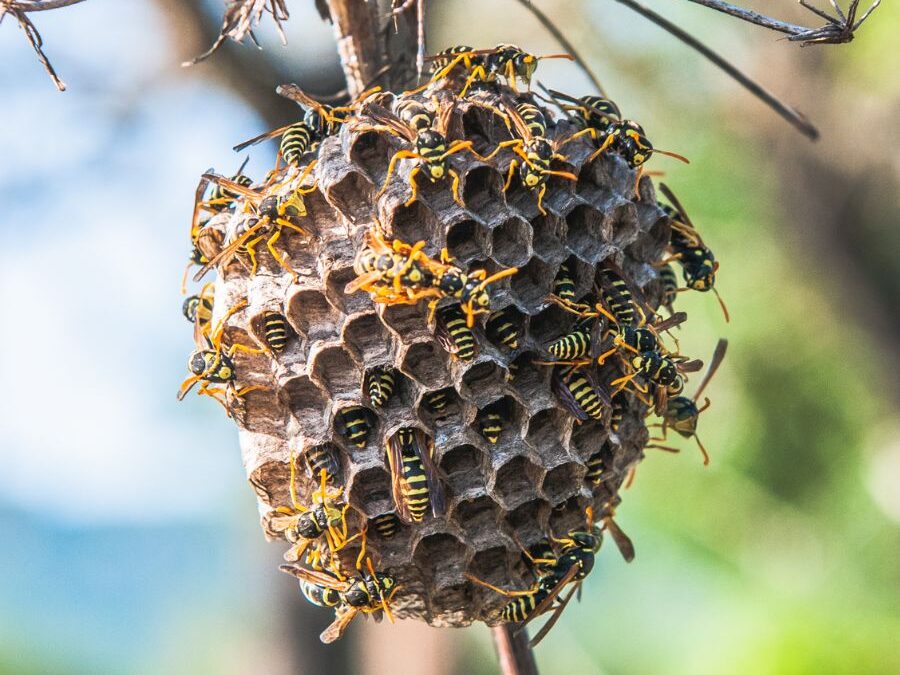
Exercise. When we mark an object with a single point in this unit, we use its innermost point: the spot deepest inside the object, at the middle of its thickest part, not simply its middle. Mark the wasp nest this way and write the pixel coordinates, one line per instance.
(332, 378)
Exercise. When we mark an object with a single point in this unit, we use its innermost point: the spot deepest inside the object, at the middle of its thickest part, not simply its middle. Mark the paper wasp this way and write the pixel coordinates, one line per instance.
(682, 413)
(579, 394)
(273, 214)
(698, 264)
(669, 287)
(557, 563)
(662, 372)
(305, 526)
(427, 132)
(534, 150)
(323, 458)
(198, 310)
(564, 283)
(602, 121)
(414, 478)
(369, 593)
(486, 65)
(215, 365)
(276, 331)
(397, 273)
(490, 420)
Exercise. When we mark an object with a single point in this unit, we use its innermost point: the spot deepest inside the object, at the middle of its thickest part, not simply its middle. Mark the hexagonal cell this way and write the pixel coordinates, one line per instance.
(336, 371)
(312, 316)
(560, 189)
(512, 243)
(440, 405)
(550, 323)
(407, 322)
(415, 223)
(548, 431)
(587, 234)
(426, 363)
(260, 411)
(403, 395)
(306, 401)
(563, 482)
(370, 491)
(515, 482)
(483, 382)
(490, 565)
(532, 283)
(323, 456)
(622, 223)
(529, 521)
(481, 123)
(336, 280)
(482, 191)
(525, 377)
(462, 468)
(548, 239)
(442, 558)
(587, 439)
(646, 249)
(372, 151)
(568, 516)
(479, 518)
(367, 336)
(353, 194)
(466, 241)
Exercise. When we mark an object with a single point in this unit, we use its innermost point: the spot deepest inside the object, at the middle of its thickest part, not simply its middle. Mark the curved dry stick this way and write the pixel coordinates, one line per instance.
(563, 42)
(796, 118)
(40, 6)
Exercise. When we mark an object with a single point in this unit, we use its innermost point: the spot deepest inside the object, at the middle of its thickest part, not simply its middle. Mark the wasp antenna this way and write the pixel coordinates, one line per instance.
(674, 155)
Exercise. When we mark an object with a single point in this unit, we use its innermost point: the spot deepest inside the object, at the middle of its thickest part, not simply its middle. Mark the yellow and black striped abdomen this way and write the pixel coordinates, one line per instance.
(573, 345)
(460, 338)
(414, 485)
(520, 608)
(414, 113)
(534, 119)
(355, 423)
(379, 385)
(585, 395)
(596, 469)
(618, 298)
(501, 327)
(564, 283)
(275, 330)
(386, 525)
(295, 142)
(491, 425)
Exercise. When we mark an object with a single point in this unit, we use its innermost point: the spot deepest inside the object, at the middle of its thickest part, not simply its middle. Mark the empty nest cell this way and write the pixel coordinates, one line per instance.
(563, 482)
(425, 362)
(312, 316)
(370, 491)
(333, 368)
(482, 191)
(548, 240)
(415, 223)
(587, 237)
(466, 241)
(515, 482)
(548, 431)
(441, 557)
(462, 467)
(306, 401)
(512, 242)
(483, 382)
(366, 335)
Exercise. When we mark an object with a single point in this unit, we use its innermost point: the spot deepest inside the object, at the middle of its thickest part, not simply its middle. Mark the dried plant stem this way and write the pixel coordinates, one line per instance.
(514, 654)
(796, 118)
(564, 42)
(38, 6)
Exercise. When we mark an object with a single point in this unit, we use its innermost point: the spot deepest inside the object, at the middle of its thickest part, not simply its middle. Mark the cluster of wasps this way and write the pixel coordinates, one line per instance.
(613, 351)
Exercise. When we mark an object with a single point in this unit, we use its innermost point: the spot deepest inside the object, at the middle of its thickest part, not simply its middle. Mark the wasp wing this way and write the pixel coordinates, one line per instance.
(557, 612)
(435, 486)
(385, 117)
(623, 541)
(338, 626)
(262, 137)
(714, 364)
(395, 463)
(315, 577)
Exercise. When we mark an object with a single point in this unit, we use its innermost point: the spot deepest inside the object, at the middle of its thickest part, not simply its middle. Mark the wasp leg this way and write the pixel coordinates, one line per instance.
(412, 185)
(509, 174)
(454, 187)
(270, 244)
(540, 199)
(496, 589)
(609, 141)
(392, 165)
(250, 246)
(504, 144)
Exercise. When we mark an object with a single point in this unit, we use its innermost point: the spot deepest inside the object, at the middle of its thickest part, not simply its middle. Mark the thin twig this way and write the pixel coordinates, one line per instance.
(240, 17)
(564, 42)
(20, 11)
(838, 30)
(796, 118)
(514, 653)
(38, 6)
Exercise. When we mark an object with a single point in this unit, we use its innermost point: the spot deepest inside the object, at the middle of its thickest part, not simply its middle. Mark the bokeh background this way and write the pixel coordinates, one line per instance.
(128, 533)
